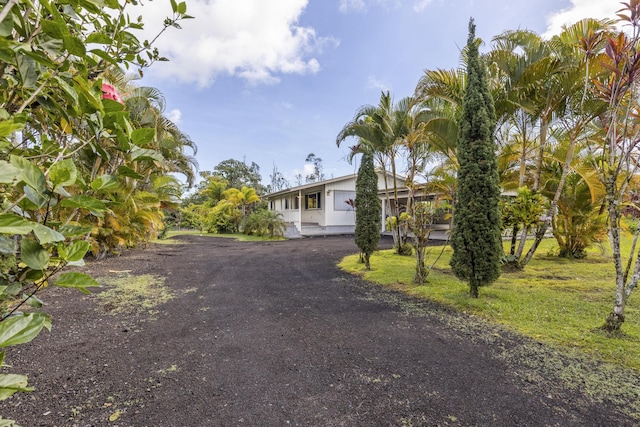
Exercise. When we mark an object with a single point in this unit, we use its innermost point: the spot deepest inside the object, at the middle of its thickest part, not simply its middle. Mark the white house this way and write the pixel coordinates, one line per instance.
(321, 208)
(327, 207)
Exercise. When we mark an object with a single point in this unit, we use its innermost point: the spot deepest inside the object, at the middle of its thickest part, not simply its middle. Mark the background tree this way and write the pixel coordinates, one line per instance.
(368, 209)
(615, 149)
(476, 238)
(239, 173)
(318, 174)
(278, 181)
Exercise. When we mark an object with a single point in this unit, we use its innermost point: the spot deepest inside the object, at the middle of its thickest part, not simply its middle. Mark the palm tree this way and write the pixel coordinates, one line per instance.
(242, 198)
(544, 95)
(379, 130)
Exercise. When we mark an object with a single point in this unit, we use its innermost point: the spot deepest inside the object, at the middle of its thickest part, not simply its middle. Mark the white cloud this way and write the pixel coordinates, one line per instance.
(578, 10)
(346, 6)
(421, 5)
(375, 83)
(351, 5)
(175, 116)
(255, 40)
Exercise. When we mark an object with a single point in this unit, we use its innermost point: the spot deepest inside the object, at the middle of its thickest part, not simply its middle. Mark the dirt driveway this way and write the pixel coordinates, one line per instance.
(273, 334)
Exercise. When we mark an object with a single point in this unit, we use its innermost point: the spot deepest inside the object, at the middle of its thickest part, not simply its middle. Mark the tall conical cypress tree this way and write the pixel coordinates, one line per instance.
(368, 209)
(475, 238)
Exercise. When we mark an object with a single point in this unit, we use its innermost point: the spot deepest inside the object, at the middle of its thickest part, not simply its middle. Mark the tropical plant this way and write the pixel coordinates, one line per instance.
(381, 129)
(264, 222)
(615, 149)
(579, 221)
(223, 218)
(420, 223)
(242, 198)
(522, 211)
(544, 96)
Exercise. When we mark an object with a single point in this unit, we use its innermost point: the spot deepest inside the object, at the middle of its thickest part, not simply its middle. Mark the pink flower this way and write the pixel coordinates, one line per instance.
(110, 92)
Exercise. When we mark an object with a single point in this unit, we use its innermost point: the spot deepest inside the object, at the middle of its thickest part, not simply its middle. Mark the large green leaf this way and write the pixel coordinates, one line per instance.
(26, 70)
(74, 230)
(31, 174)
(128, 172)
(9, 174)
(46, 234)
(39, 200)
(7, 127)
(68, 89)
(105, 182)
(85, 91)
(75, 46)
(92, 204)
(8, 245)
(98, 38)
(138, 153)
(142, 136)
(55, 29)
(73, 252)
(22, 328)
(10, 384)
(63, 173)
(13, 224)
(33, 254)
(76, 280)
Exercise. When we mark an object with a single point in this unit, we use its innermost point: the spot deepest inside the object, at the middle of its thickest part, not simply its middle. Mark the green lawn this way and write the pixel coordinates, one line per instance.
(557, 301)
(237, 236)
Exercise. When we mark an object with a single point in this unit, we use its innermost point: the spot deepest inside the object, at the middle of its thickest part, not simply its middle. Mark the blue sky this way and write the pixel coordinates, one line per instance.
(270, 81)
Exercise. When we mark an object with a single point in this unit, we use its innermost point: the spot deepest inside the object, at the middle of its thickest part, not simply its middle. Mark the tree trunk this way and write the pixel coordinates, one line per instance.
(400, 240)
(473, 289)
(544, 127)
(421, 274)
(554, 203)
(616, 317)
(514, 240)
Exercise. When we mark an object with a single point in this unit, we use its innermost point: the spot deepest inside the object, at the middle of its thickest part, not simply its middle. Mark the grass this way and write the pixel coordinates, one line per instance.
(131, 294)
(556, 301)
(237, 236)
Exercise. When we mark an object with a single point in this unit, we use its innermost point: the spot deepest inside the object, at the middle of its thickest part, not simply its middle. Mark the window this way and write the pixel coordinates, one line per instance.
(312, 201)
(286, 204)
(296, 202)
(272, 205)
(343, 200)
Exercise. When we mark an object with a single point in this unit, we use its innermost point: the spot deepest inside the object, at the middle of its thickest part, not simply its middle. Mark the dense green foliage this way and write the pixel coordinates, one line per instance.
(368, 209)
(85, 157)
(222, 200)
(476, 237)
(264, 222)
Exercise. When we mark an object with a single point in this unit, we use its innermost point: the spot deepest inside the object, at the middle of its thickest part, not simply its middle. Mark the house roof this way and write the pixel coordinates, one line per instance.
(311, 185)
(321, 183)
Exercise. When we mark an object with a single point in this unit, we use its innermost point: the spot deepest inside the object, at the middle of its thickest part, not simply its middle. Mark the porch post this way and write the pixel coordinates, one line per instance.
(300, 201)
